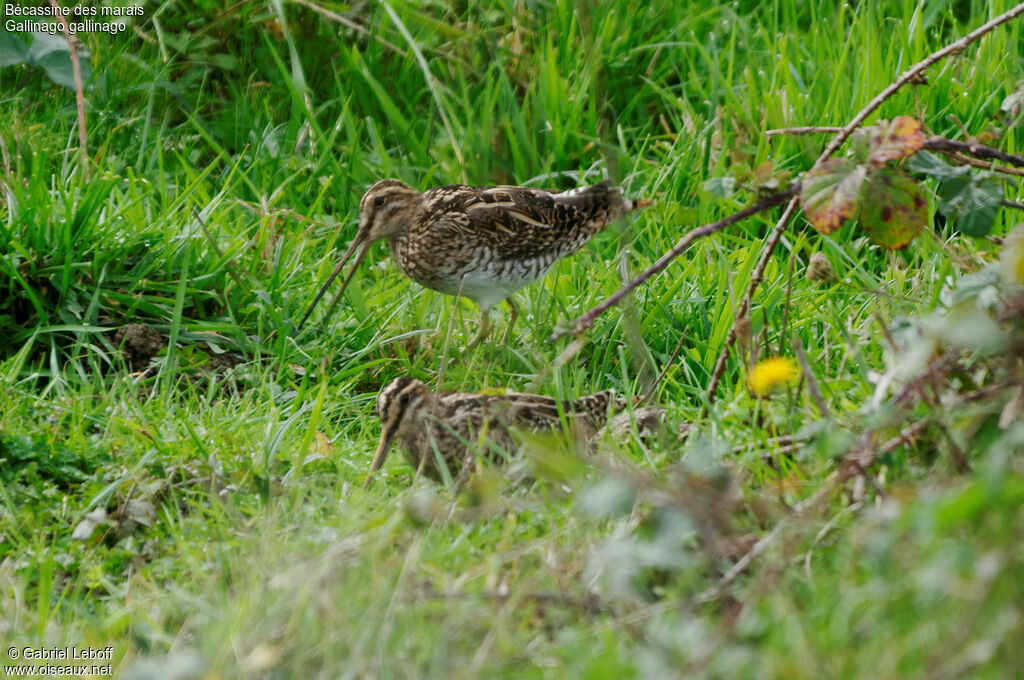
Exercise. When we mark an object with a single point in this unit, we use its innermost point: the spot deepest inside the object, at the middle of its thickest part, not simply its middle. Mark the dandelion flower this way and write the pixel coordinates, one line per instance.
(771, 373)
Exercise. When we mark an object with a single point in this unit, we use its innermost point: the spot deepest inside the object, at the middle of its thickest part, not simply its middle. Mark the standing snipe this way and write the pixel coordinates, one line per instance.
(483, 243)
(455, 424)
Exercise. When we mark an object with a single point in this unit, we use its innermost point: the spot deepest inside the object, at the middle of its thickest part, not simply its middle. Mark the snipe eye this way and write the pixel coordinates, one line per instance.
(378, 201)
(404, 399)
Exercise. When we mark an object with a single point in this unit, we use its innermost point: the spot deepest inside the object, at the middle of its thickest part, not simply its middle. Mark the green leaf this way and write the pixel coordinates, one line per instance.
(44, 44)
(973, 201)
(894, 208)
(1014, 102)
(224, 61)
(720, 187)
(929, 164)
(51, 53)
(859, 145)
(12, 50)
(830, 193)
(58, 67)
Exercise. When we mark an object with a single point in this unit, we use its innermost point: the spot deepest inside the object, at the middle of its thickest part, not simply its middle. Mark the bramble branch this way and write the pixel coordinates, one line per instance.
(973, 148)
(585, 321)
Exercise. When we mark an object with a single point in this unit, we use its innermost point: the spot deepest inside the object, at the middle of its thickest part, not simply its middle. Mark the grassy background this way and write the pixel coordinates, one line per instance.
(254, 551)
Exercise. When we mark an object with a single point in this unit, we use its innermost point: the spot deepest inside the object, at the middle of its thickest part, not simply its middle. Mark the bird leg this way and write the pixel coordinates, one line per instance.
(513, 315)
(485, 328)
(465, 471)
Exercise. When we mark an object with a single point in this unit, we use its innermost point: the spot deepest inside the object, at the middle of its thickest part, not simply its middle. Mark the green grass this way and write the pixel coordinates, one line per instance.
(263, 557)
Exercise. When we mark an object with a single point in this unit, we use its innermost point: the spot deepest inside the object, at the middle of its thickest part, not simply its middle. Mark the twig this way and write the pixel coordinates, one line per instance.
(863, 454)
(345, 21)
(812, 382)
(582, 323)
(974, 149)
(911, 431)
(912, 74)
(716, 591)
(76, 70)
(942, 144)
(649, 392)
(808, 130)
(856, 461)
(879, 492)
(1011, 204)
(984, 165)
(949, 147)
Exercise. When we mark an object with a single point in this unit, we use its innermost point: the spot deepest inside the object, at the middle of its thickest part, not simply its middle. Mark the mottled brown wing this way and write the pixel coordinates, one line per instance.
(516, 223)
(542, 412)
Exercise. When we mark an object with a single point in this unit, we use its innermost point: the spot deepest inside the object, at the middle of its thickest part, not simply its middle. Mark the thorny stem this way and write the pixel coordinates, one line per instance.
(949, 147)
(911, 74)
(586, 321)
(974, 149)
(582, 323)
(805, 130)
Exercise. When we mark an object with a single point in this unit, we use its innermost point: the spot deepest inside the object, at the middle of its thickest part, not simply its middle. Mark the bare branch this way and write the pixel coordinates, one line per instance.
(812, 382)
(76, 70)
(863, 453)
(585, 321)
(914, 73)
(808, 130)
(984, 165)
(974, 149)
(717, 590)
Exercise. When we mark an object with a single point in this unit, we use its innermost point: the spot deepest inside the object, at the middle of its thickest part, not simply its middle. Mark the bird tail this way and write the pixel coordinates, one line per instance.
(603, 195)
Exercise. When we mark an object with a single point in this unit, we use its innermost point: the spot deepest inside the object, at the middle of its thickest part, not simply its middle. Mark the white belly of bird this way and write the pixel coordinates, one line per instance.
(488, 289)
(485, 280)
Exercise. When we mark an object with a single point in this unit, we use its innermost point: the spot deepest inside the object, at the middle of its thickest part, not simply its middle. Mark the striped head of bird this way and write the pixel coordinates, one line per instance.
(385, 211)
(399, 407)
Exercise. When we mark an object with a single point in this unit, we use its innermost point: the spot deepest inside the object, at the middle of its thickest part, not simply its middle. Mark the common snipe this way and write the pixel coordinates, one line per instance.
(483, 243)
(455, 424)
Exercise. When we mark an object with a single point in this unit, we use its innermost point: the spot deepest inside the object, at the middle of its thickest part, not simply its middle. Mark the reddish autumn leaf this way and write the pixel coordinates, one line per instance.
(893, 208)
(889, 141)
(830, 193)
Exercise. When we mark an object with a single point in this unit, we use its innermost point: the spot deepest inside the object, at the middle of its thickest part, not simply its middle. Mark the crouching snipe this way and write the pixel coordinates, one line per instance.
(456, 424)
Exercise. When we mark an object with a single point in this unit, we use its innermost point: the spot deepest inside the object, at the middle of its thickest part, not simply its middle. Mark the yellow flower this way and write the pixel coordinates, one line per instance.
(770, 373)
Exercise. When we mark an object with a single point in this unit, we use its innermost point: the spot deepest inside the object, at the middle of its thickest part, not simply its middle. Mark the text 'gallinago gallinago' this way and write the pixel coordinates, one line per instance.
(483, 243)
(456, 424)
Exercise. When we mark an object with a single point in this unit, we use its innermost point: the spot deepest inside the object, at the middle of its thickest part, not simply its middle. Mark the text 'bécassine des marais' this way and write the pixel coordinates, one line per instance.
(20, 17)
